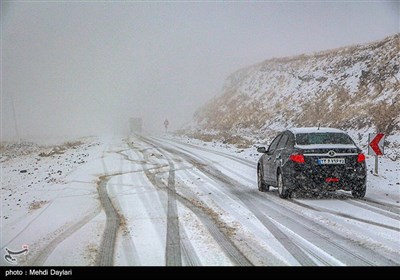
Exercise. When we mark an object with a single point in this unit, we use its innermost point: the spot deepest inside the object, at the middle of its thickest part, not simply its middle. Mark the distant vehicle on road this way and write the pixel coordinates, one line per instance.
(314, 159)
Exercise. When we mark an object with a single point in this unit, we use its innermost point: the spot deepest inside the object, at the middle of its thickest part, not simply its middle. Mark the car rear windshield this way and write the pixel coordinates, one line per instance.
(323, 138)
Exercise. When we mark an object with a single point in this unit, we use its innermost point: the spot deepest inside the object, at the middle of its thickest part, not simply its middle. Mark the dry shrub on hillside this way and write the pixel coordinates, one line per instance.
(335, 108)
(60, 149)
(237, 140)
(314, 111)
(385, 116)
(72, 144)
(224, 137)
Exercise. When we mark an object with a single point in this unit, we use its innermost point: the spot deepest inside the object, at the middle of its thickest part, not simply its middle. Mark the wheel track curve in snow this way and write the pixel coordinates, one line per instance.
(188, 253)
(228, 181)
(222, 240)
(345, 249)
(45, 252)
(173, 241)
(40, 258)
(336, 213)
(292, 248)
(372, 208)
(107, 245)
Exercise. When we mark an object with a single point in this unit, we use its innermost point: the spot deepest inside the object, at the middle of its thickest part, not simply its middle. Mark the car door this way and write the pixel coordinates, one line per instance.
(278, 157)
(269, 161)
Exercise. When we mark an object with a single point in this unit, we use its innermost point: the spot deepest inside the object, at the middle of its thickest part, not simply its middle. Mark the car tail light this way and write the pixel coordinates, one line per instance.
(297, 158)
(334, 180)
(361, 158)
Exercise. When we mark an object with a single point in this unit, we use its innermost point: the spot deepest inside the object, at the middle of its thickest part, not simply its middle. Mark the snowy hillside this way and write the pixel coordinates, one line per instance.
(354, 88)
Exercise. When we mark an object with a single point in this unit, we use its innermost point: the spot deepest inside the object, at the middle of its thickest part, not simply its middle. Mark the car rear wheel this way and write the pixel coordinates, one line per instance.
(359, 191)
(282, 189)
(262, 187)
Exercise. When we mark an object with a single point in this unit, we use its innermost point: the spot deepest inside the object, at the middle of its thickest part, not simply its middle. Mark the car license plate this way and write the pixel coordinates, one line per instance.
(331, 161)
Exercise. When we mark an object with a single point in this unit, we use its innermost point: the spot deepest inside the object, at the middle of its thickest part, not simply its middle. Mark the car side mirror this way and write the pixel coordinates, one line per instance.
(261, 150)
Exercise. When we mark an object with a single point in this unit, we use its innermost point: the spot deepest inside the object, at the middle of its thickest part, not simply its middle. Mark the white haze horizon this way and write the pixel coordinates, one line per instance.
(82, 68)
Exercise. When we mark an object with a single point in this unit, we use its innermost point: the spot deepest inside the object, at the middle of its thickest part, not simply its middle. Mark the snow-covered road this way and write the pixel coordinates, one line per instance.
(147, 200)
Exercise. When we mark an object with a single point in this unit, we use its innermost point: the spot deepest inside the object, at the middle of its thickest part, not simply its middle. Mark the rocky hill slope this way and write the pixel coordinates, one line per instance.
(354, 88)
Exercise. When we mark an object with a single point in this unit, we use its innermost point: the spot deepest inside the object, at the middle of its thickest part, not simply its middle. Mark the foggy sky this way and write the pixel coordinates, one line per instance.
(84, 68)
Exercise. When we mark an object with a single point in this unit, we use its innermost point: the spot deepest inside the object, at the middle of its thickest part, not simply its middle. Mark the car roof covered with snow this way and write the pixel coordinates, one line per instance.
(297, 130)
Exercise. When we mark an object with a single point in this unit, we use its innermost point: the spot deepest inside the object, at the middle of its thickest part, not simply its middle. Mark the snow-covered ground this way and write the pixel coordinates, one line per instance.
(164, 200)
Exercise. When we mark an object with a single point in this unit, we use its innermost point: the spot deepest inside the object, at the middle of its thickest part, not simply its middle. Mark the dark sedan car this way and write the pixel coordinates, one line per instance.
(313, 159)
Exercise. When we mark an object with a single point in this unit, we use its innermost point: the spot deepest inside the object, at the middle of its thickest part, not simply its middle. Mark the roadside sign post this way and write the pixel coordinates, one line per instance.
(166, 123)
(375, 147)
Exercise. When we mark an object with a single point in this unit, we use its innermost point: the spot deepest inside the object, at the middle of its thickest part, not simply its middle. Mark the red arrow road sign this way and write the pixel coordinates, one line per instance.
(375, 144)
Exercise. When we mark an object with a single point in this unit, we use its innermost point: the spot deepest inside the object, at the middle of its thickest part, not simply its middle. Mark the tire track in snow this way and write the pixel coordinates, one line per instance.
(222, 240)
(385, 206)
(127, 244)
(388, 210)
(203, 214)
(258, 252)
(289, 245)
(253, 249)
(188, 252)
(173, 241)
(173, 246)
(27, 225)
(346, 249)
(373, 209)
(107, 245)
(215, 174)
(105, 256)
(336, 213)
(237, 159)
(113, 220)
(147, 202)
(342, 250)
(45, 252)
